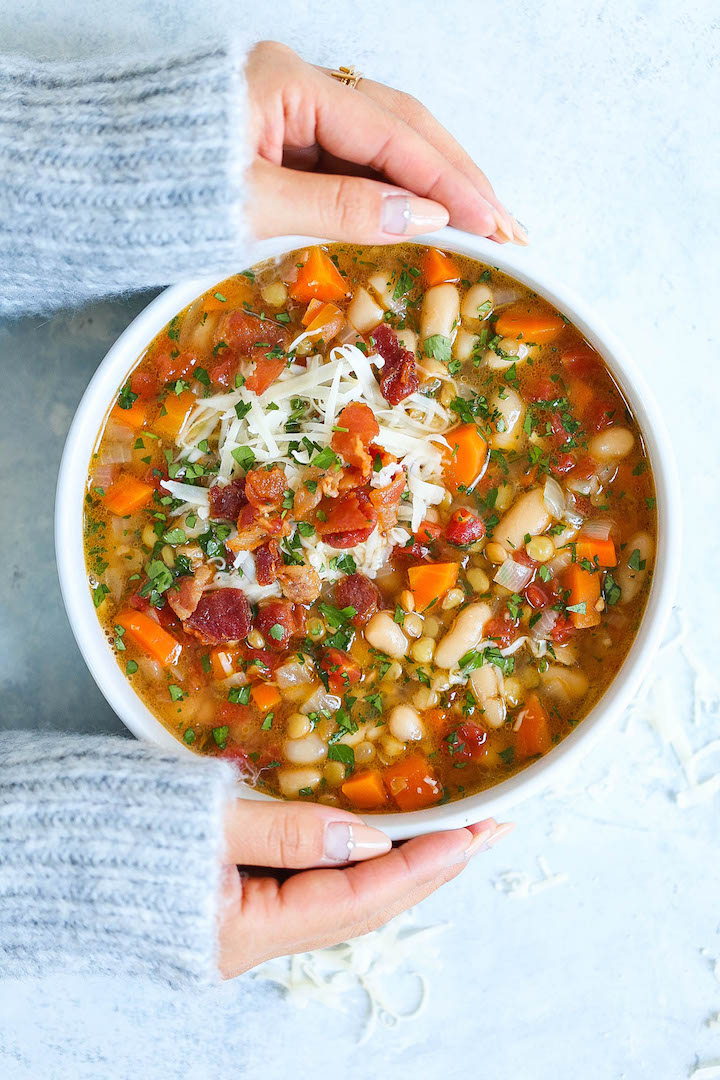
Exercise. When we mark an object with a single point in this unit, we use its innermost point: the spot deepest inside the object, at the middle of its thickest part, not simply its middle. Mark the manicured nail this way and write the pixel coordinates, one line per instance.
(488, 838)
(504, 226)
(349, 842)
(405, 215)
(520, 233)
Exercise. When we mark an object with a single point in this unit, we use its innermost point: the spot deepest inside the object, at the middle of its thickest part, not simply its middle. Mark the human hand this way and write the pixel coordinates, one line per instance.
(262, 917)
(368, 165)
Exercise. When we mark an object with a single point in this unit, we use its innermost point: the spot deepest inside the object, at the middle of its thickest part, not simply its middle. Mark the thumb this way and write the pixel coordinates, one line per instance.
(349, 208)
(298, 835)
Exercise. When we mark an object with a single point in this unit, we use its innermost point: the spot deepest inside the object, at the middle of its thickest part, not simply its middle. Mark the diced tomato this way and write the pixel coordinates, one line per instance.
(267, 370)
(358, 592)
(223, 373)
(584, 467)
(562, 463)
(468, 743)
(536, 596)
(171, 367)
(464, 528)
(164, 615)
(563, 630)
(243, 332)
(559, 435)
(540, 388)
(501, 631)
(581, 360)
(521, 556)
(600, 413)
(144, 384)
(341, 670)
(276, 622)
(423, 541)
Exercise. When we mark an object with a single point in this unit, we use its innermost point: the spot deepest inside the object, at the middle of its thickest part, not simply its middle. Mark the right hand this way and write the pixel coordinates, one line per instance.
(262, 917)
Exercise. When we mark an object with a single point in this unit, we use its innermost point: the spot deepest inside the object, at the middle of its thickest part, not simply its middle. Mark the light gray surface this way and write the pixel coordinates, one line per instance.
(597, 127)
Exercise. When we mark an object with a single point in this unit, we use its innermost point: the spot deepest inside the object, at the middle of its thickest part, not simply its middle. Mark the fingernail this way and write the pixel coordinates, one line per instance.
(404, 215)
(504, 226)
(488, 838)
(520, 233)
(350, 842)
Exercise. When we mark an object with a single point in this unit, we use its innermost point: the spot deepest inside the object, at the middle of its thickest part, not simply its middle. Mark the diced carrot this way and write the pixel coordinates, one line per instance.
(173, 413)
(412, 783)
(588, 548)
(438, 267)
(319, 279)
(365, 790)
(580, 394)
(533, 736)
(465, 459)
(429, 582)
(223, 661)
(584, 593)
(311, 311)
(266, 696)
(327, 322)
(531, 325)
(150, 636)
(127, 495)
(133, 418)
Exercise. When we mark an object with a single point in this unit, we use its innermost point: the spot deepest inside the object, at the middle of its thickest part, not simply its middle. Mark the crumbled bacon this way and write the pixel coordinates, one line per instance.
(301, 584)
(226, 501)
(268, 562)
(276, 622)
(222, 615)
(255, 529)
(265, 488)
(386, 501)
(358, 427)
(346, 521)
(185, 600)
(358, 592)
(399, 378)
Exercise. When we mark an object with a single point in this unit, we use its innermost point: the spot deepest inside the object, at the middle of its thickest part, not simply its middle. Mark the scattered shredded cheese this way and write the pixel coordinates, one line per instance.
(520, 883)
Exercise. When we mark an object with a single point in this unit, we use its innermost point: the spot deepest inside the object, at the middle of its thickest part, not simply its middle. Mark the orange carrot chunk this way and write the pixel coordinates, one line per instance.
(319, 279)
(327, 322)
(127, 495)
(465, 459)
(430, 582)
(173, 413)
(224, 661)
(533, 736)
(133, 418)
(150, 637)
(412, 783)
(365, 790)
(590, 548)
(534, 326)
(438, 267)
(584, 588)
(311, 311)
(265, 696)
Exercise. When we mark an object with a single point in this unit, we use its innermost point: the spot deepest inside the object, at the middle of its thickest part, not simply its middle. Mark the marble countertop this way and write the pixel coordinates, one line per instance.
(596, 126)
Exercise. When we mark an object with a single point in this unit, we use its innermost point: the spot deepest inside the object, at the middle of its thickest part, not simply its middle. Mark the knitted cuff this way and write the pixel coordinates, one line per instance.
(120, 176)
(110, 858)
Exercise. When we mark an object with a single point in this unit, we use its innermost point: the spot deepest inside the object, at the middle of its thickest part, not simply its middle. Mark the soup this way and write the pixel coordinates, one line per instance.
(375, 523)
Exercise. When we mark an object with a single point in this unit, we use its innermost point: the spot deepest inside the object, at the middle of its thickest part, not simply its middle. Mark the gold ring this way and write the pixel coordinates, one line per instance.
(350, 76)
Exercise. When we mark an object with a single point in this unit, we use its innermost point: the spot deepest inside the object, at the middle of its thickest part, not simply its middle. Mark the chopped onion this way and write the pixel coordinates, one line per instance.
(320, 700)
(554, 498)
(543, 627)
(570, 514)
(513, 575)
(561, 561)
(115, 453)
(115, 432)
(599, 529)
(583, 485)
(294, 674)
(103, 477)
(115, 581)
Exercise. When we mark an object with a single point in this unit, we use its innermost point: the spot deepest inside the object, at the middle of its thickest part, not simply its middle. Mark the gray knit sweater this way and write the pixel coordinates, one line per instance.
(114, 177)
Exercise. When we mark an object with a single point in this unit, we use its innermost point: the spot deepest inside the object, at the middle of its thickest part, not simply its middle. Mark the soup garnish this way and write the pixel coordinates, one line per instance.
(375, 523)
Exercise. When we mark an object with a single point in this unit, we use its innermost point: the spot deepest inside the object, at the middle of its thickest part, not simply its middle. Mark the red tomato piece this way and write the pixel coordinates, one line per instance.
(536, 596)
(563, 630)
(144, 384)
(562, 463)
(171, 367)
(341, 670)
(600, 413)
(359, 592)
(276, 622)
(223, 373)
(468, 743)
(581, 360)
(267, 370)
(464, 528)
(540, 388)
(502, 631)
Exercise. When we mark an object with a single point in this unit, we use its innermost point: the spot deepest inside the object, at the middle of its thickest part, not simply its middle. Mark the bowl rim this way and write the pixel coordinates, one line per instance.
(518, 263)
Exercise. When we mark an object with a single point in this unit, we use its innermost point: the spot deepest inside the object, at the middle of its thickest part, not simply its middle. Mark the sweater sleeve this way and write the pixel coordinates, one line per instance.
(118, 177)
(110, 858)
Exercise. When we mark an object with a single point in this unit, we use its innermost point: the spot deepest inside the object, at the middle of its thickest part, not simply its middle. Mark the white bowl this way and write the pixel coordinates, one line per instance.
(120, 361)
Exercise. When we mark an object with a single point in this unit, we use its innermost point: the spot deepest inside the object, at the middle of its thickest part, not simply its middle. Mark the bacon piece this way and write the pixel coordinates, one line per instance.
(265, 488)
(222, 615)
(226, 501)
(164, 615)
(255, 529)
(399, 378)
(348, 513)
(386, 501)
(268, 562)
(301, 584)
(276, 622)
(359, 592)
(341, 670)
(191, 587)
(362, 428)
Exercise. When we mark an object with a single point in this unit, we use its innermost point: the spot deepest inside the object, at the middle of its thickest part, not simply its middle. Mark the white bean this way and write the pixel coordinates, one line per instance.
(408, 339)
(440, 311)
(306, 751)
(484, 681)
(474, 309)
(405, 724)
(563, 682)
(464, 635)
(383, 286)
(292, 781)
(613, 443)
(630, 580)
(515, 353)
(464, 345)
(494, 712)
(528, 514)
(363, 312)
(508, 425)
(384, 634)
